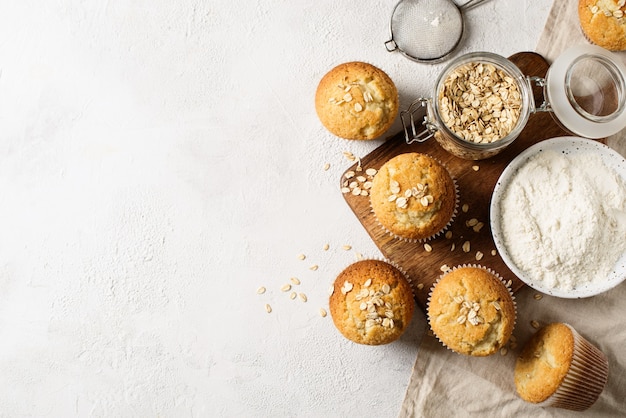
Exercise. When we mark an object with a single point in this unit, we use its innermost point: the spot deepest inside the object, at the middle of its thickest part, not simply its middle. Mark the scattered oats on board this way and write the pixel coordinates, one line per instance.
(261, 290)
(428, 247)
(358, 184)
(285, 288)
(295, 280)
(471, 222)
(465, 208)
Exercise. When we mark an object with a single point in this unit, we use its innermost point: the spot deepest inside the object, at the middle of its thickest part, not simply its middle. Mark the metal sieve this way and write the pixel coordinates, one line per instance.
(427, 30)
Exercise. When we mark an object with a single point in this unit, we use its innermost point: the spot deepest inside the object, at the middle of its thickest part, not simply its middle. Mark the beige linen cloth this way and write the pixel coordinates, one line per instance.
(446, 384)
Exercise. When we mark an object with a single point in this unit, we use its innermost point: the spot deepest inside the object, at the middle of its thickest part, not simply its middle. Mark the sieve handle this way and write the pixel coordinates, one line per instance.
(391, 45)
(469, 4)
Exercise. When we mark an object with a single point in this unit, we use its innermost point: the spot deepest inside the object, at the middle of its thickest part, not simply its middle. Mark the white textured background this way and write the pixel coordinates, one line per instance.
(161, 160)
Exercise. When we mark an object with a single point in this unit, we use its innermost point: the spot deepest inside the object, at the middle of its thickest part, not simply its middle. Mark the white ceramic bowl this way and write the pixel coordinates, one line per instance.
(569, 145)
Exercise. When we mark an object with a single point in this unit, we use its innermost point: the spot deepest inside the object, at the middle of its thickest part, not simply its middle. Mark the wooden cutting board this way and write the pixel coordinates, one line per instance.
(475, 180)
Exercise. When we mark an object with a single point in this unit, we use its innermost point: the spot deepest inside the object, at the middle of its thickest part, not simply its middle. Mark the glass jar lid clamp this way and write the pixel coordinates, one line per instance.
(427, 30)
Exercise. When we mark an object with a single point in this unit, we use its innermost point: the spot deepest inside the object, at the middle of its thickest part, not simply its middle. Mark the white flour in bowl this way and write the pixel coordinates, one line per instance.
(564, 219)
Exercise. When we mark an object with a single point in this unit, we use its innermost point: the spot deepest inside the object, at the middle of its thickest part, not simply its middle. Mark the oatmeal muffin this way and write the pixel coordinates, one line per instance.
(371, 303)
(471, 311)
(559, 368)
(603, 23)
(413, 196)
(356, 100)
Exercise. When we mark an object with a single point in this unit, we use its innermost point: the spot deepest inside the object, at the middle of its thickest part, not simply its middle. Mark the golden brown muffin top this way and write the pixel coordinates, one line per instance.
(471, 311)
(372, 302)
(604, 22)
(356, 100)
(544, 362)
(413, 196)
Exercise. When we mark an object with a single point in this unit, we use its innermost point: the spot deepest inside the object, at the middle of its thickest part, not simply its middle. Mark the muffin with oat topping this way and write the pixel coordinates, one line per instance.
(471, 311)
(371, 302)
(558, 367)
(413, 196)
(603, 23)
(356, 100)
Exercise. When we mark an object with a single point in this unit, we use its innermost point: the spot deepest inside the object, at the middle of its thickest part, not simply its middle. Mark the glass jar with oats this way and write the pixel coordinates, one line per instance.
(482, 101)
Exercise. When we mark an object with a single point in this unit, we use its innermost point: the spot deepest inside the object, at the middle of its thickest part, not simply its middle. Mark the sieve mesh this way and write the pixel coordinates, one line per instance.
(426, 30)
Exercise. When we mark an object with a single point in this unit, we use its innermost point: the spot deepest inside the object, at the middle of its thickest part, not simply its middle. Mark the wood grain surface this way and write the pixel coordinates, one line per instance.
(475, 190)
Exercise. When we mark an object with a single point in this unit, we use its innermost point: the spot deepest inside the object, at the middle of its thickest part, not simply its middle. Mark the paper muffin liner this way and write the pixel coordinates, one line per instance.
(585, 379)
(404, 273)
(487, 269)
(584, 34)
(436, 234)
(582, 31)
